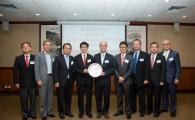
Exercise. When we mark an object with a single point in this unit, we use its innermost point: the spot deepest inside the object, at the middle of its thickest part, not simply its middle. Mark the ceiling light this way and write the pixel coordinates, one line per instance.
(184, 16)
(1, 15)
(37, 14)
(75, 14)
(166, 1)
(112, 14)
(149, 15)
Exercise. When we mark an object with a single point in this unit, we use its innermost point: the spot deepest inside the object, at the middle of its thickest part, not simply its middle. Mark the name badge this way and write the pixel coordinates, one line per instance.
(158, 61)
(89, 60)
(72, 62)
(141, 59)
(32, 62)
(171, 59)
(53, 59)
(126, 61)
(106, 61)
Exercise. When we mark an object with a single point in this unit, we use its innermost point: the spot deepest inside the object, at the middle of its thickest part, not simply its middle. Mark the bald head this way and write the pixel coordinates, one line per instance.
(103, 46)
(166, 44)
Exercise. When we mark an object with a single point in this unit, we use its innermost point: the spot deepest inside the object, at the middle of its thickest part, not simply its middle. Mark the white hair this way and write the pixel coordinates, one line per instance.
(103, 42)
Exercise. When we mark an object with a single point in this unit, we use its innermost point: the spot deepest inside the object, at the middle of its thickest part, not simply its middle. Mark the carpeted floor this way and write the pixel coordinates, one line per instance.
(10, 109)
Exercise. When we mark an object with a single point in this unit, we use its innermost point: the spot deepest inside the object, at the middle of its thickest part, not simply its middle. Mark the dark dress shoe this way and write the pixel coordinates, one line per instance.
(106, 115)
(128, 116)
(156, 114)
(80, 115)
(89, 115)
(141, 114)
(69, 114)
(99, 115)
(118, 113)
(62, 116)
(163, 111)
(44, 118)
(24, 118)
(149, 112)
(33, 116)
(51, 115)
(133, 112)
(173, 114)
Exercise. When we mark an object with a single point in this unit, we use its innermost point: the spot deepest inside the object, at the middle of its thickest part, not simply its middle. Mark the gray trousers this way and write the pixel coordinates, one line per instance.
(46, 97)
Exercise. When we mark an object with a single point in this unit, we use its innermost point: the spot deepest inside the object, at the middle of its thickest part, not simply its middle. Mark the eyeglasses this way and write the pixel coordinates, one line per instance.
(123, 47)
(167, 44)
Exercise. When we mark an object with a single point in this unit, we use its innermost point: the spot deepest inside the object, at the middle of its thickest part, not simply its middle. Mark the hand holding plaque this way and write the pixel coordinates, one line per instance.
(95, 70)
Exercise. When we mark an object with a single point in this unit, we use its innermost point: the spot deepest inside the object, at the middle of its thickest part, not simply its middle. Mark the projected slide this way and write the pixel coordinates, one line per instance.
(93, 34)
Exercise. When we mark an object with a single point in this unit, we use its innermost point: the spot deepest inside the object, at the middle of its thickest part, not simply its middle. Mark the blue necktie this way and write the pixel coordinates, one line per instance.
(67, 61)
(134, 63)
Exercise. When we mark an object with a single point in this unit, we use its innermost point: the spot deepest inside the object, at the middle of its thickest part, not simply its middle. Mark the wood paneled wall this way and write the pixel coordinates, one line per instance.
(187, 80)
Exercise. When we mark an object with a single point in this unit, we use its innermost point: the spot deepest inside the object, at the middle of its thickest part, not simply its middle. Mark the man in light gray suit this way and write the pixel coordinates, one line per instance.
(123, 63)
(43, 76)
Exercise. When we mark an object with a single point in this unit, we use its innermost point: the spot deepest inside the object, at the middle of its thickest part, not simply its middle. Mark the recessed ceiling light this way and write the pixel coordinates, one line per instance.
(75, 14)
(166, 1)
(112, 14)
(37, 14)
(149, 15)
(184, 16)
(1, 15)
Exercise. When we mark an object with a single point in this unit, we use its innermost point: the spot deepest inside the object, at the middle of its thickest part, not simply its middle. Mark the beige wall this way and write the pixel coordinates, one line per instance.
(10, 41)
(184, 41)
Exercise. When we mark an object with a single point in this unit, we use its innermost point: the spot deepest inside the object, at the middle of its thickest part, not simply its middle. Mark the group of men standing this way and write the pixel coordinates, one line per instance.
(148, 76)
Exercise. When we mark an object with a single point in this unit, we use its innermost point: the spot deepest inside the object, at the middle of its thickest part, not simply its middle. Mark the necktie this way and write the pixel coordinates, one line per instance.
(152, 61)
(67, 61)
(67, 64)
(166, 55)
(135, 63)
(122, 59)
(27, 60)
(84, 60)
(102, 59)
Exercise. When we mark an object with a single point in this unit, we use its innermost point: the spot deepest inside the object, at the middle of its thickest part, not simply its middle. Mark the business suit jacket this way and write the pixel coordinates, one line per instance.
(41, 66)
(83, 78)
(22, 74)
(125, 69)
(142, 68)
(60, 70)
(157, 73)
(107, 66)
(173, 66)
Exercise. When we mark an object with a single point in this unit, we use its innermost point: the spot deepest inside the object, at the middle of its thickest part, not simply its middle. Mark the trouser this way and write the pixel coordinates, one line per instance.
(64, 97)
(153, 94)
(126, 90)
(46, 97)
(27, 94)
(102, 90)
(84, 90)
(169, 94)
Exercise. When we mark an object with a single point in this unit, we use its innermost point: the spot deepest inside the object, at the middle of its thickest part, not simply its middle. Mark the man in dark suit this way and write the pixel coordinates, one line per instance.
(103, 83)
(172, 77)
(156, 79)
(140, 71)
(24, 78)
(83, 80)
(124, 82)
(63, 77)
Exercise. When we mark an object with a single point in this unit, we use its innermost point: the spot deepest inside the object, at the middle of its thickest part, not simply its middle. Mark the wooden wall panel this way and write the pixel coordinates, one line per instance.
(187, 80)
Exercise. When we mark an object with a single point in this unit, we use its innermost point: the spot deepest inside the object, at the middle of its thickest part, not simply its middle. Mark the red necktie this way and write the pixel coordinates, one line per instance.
(152, 61)
(122, 59)
(27, 61)
(84, 60)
